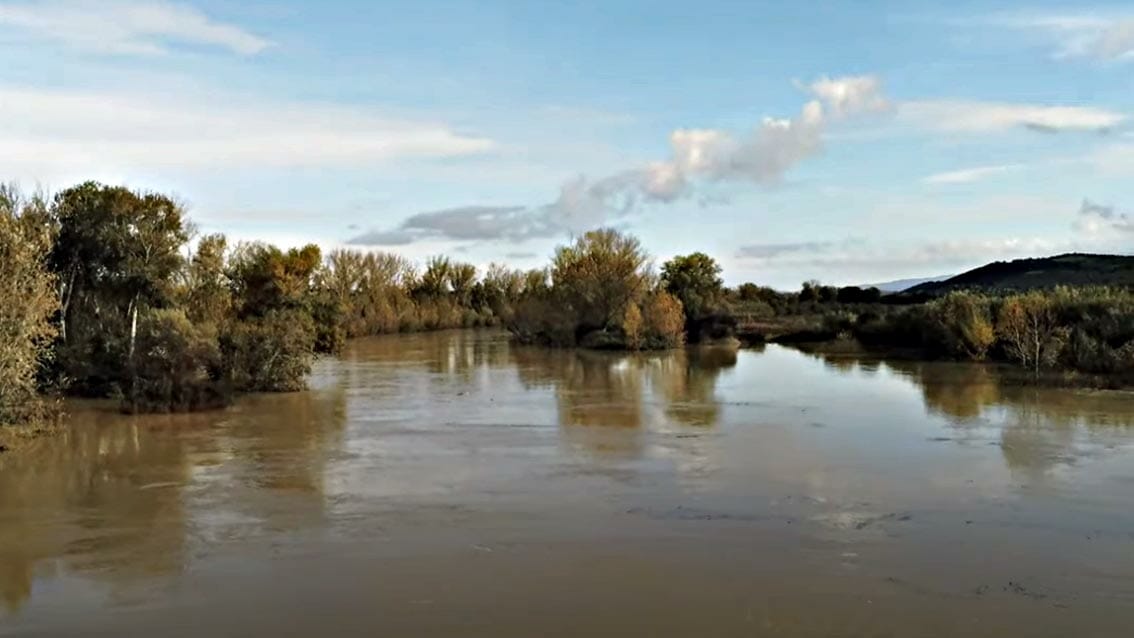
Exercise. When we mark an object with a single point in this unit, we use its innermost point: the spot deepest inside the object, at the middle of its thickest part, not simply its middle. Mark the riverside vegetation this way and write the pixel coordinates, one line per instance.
(108, 293)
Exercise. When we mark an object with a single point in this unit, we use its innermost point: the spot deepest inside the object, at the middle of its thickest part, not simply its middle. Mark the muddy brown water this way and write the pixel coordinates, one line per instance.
(453, 484)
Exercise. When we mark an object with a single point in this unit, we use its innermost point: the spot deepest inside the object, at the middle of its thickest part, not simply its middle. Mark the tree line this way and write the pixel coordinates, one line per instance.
(108, 292)
(105, 295)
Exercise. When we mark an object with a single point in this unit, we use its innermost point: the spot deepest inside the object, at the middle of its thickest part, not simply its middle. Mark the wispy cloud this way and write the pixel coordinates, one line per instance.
(969, 175)
(962, 116)
(1083, 35)
(781, 249)
(762, 157)
(465, 223)
(130, 27)
(66, 135)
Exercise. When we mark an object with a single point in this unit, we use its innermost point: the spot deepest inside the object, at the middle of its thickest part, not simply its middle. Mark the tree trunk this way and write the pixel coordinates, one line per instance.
(133, 326)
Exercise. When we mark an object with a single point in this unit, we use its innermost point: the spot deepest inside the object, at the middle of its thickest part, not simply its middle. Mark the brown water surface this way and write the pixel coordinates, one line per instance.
(453, 484)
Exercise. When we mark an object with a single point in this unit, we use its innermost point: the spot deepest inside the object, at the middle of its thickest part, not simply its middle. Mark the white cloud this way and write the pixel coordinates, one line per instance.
(959, 116)
(72, 135)
(762, 157)
(132, 27)
(969, 175)
(1090, 35)
(851, 95)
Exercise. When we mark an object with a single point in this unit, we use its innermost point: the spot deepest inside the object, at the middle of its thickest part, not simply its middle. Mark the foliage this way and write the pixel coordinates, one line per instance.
(664, 321)
(695, 281)
(597, 277)
(117, 254)
(1029, 326)
(269, 353)
(965, 325)
(27, 288)
(601, 295)
(177, 365)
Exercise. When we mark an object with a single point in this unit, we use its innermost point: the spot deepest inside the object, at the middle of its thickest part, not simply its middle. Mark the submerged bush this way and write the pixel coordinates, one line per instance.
(177, 365)
(272, 353)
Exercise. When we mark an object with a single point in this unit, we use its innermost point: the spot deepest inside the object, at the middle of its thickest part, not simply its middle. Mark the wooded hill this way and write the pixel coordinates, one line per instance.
(1072, 269)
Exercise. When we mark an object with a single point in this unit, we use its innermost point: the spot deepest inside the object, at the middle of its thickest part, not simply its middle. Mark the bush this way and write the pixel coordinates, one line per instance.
(272, 353)
(176, 366)
(964, 325)
(663, 321)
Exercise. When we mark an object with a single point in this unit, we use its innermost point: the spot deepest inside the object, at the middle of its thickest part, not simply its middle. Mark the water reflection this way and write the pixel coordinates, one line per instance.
(119, 503)
(1038, 428)
(124, 500)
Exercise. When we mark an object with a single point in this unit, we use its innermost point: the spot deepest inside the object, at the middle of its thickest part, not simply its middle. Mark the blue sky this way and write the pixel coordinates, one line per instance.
(856, 142)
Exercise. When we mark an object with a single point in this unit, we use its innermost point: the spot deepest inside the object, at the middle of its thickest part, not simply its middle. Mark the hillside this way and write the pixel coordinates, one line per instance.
(1072, 269)
(902, 285)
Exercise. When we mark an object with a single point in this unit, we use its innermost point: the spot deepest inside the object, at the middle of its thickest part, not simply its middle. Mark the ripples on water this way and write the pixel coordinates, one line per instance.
(462, 485)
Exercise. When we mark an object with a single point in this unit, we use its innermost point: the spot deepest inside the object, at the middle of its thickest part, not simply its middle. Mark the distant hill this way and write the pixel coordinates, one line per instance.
(1072, 269)
(905, 284)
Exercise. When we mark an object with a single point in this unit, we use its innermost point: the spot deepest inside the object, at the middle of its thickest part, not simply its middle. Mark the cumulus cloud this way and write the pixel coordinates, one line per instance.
(969, 175)
(959, 116)
(851, 95)
(68, 135)
(761, 157)
(131, 27)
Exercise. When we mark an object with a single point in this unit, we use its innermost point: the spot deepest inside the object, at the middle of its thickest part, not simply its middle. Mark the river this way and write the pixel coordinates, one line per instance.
(454, 484)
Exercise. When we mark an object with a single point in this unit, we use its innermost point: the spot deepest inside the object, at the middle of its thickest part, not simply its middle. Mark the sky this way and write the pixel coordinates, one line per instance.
(849, 142)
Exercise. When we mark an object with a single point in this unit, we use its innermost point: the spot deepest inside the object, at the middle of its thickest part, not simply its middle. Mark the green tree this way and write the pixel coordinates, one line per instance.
(695, 281)
(208, 297)
(116, 256)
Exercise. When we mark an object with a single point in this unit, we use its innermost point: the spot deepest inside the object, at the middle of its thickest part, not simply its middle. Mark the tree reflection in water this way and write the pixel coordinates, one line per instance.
(1038, 427)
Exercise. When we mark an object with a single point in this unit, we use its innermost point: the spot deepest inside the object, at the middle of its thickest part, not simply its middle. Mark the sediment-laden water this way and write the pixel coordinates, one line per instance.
(455, 484)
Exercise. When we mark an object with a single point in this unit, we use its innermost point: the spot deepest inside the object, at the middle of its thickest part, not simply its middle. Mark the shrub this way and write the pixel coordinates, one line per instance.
(272, 353)
(176, 366)
(663, 320)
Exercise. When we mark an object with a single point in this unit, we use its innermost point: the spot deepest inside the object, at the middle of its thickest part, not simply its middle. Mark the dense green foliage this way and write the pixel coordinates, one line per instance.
(695, 281)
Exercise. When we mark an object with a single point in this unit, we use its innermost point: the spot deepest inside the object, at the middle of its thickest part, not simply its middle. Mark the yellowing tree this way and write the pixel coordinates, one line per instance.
(27, 289)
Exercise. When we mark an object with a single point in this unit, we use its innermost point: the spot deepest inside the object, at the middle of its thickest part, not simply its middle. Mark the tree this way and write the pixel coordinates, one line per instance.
(435, 280)
(27, 288)
(695, 281)
(1030, 329)
(116, 255)
(663, 320)
(598, 276)
(965, 322)
(208, 298)
(461, 278)
(264, 278)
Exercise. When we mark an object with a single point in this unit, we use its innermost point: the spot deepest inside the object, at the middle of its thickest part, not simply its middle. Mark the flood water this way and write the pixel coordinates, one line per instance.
(453, 484)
